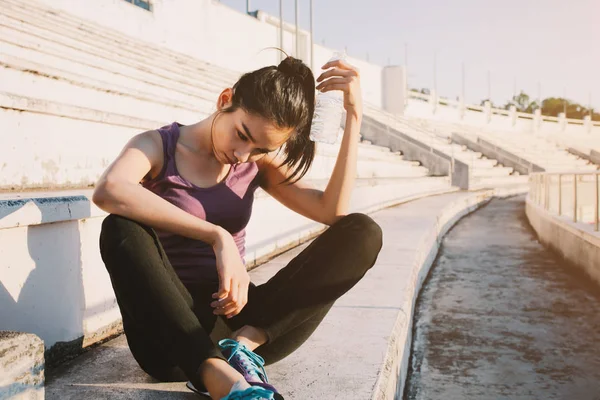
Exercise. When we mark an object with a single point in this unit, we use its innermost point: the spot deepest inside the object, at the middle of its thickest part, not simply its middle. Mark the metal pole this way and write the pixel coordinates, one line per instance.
(565, 101)
(514, 90)
(559, 195)
(435, 73)
(543, 191)
(597, 211)
(489, 84)
(537, 189)
(574, 197)
(281, 28)
(297, 29)
(462, 89)
(312, 42)
(547, 199)
(406, 87)
(247, 6)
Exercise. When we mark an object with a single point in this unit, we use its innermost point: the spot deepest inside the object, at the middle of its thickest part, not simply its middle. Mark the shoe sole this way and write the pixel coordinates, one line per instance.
(189, 385)
(198, 392)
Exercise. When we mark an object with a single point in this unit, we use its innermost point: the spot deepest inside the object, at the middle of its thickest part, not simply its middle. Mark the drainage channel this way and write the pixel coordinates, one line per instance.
(502, 317)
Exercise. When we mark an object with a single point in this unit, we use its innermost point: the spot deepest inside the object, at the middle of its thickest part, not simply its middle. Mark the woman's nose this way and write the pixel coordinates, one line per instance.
(242, 156)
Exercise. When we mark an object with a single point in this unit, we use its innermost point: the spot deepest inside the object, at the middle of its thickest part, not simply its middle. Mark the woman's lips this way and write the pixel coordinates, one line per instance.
(229, 160)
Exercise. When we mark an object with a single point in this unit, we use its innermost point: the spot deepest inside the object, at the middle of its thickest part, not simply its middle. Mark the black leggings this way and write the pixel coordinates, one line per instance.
(167, 325)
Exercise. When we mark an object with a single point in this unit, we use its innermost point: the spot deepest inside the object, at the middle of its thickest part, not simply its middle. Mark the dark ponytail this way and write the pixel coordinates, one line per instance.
(284, 95)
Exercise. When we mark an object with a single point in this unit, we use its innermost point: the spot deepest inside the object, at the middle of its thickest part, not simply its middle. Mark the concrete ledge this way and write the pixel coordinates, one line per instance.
(591, 155)
(576, 242)
(369, 363)
(437, 162)
(21, 366)
(390, 384)
(503, 156)
(54, 243)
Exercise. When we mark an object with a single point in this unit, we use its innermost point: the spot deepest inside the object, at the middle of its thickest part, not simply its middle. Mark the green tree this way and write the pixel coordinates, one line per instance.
(521, 101)
(551, 107)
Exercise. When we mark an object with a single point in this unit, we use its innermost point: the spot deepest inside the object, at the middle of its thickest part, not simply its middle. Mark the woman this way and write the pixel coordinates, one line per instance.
(174, 245)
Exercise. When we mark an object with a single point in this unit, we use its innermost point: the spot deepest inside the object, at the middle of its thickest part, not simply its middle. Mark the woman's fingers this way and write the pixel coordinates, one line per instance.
(324, 86)
(336, 72)
(338, 63)
(233, 303)
(242, 301)
(224, 287)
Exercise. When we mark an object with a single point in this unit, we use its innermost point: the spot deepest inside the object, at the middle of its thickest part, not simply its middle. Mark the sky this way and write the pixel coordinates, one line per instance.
(550, 47)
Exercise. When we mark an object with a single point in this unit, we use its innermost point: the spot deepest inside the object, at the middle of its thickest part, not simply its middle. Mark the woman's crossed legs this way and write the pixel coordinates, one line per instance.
(168, 325)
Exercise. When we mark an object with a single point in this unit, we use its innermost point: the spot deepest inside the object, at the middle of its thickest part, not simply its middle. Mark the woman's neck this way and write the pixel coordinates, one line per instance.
(197, 137)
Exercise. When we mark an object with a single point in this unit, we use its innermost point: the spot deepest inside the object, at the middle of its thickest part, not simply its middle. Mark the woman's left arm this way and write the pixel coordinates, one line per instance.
(332, 204)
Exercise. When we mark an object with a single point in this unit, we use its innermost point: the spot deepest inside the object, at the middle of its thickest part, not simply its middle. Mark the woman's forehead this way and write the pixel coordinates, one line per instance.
(265, 132)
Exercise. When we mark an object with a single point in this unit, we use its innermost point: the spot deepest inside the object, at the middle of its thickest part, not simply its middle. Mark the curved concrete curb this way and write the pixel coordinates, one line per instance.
(576, 242)
(390, 384)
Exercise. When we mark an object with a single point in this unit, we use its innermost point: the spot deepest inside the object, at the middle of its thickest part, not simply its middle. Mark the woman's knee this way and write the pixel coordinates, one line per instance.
(116, 230)
(365, 228)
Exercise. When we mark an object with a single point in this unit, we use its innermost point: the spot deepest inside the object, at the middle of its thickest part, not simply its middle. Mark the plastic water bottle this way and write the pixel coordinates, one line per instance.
(329, 109)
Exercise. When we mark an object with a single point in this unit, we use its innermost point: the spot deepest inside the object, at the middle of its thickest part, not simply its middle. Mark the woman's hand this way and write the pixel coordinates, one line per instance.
(343, 76)
(233, 278)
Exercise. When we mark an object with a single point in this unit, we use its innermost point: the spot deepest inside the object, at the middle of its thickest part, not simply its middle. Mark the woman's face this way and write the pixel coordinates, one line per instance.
(242, 137)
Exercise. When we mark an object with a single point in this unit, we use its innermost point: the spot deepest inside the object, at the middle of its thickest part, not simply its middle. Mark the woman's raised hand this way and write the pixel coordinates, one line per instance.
(233, 278)
(342, 76)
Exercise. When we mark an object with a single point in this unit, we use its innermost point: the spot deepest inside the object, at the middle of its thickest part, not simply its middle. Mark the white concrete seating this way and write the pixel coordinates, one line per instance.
(94, 88)
(53, 239)
(54, 20)
(539, 149)
(582, 142)
(483, 171)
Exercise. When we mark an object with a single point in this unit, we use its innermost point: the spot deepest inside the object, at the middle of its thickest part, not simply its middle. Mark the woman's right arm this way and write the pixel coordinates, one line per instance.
(118, 192)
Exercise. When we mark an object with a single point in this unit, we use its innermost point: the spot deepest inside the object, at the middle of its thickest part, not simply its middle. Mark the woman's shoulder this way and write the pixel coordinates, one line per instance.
(157, 141)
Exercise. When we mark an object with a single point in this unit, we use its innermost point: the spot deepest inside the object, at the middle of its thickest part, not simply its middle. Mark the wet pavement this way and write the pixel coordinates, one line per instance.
(501, 317)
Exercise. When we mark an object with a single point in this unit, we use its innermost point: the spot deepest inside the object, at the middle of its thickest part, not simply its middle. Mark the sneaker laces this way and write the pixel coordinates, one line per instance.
(252, 393)
(249, 360)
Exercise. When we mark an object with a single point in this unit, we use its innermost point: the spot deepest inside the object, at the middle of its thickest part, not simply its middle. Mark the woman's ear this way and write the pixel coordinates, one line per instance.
(225, 99)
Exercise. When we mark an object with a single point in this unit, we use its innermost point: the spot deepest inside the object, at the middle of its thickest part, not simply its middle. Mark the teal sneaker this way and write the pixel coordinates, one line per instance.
(252, 393)
(247, 363)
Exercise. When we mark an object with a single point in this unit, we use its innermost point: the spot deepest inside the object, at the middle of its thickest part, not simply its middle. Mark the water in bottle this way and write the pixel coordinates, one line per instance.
(329, 109)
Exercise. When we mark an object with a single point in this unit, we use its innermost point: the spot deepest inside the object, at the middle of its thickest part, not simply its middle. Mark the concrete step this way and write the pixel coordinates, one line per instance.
(36, 62)
(60, 18)
(96, 138)
(491, 172)
(323, 167)
(62, 91)
(133, 71)
(86, 33)
(484, 182)
(483, 163)
(59, 47)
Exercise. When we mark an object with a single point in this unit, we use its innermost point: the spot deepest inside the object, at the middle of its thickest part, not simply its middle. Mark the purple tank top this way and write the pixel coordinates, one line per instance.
(227, 204)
